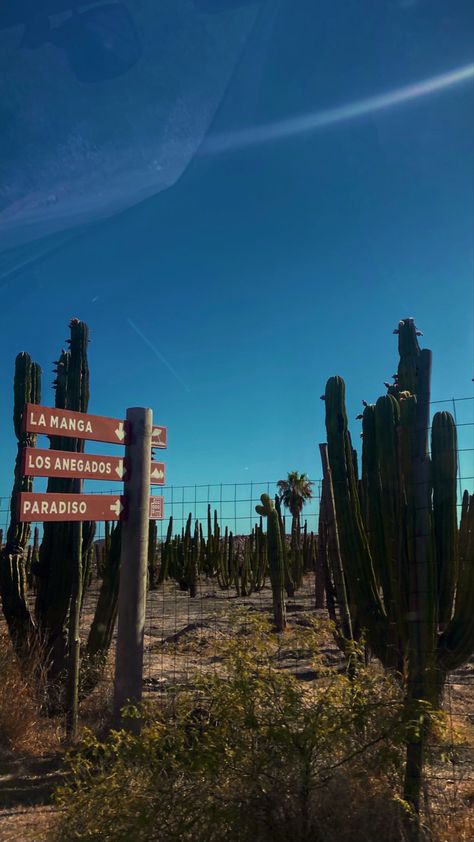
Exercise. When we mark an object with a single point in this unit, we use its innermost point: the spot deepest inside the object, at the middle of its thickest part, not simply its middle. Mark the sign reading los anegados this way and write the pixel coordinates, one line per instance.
(64, 422)
(61, 463)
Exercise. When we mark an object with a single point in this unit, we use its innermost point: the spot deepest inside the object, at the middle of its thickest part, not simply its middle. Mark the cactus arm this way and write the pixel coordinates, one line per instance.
(332, 549)
(444, 472)
(456, 643)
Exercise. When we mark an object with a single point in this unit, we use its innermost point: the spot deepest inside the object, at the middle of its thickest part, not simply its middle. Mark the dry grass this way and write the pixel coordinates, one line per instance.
(451, 818)
(95, 712)
(23, 730)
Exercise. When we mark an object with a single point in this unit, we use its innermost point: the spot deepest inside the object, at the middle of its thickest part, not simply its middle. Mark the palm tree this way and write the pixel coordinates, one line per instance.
(294, 492)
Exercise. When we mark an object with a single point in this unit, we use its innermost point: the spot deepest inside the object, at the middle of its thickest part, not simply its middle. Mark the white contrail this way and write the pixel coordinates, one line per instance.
(158, 354)
(256, 135)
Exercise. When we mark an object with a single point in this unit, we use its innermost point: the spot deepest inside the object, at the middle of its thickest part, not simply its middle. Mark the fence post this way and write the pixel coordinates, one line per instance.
(133, 565)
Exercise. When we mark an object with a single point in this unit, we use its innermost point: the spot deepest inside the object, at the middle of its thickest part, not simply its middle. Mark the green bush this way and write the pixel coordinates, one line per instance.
(252, 754)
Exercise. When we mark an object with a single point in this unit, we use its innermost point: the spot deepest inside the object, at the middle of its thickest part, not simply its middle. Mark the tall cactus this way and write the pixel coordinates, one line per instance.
(408, 566)
(166, 552)
(275, 560)
(13, 584)
(56, 573)
(101, 630)
(152, 555)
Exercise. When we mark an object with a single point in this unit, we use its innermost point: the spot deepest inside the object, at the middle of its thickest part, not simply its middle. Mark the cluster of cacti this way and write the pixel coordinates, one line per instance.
(309, 550)
(181, 556)
(276, 559)
(237, 562)
(408, 564)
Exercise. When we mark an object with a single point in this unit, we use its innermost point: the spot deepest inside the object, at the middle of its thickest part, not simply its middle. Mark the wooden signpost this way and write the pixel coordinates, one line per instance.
(135, 507)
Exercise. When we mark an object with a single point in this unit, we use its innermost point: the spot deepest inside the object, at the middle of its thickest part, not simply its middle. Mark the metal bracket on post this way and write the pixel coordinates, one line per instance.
(133, 565)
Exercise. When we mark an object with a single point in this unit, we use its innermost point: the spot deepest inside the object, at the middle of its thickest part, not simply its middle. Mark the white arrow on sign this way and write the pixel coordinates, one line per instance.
(158, 474)
(120, 469)
(117, 507)
(120, 432)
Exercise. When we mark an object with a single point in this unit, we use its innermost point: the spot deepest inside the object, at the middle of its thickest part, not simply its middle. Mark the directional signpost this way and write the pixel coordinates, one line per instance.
(135, 507)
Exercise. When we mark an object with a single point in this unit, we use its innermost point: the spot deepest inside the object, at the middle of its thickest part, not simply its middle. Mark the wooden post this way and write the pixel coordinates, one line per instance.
(133, 565)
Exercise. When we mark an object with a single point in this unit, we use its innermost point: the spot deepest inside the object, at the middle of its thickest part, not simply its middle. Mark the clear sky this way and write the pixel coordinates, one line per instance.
(280, 256)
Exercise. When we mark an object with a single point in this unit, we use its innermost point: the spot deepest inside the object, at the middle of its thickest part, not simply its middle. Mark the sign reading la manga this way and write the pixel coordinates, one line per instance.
(60, 424)
(65, 422)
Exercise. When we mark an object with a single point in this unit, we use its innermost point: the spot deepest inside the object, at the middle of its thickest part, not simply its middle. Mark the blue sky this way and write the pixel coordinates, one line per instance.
(264, 270)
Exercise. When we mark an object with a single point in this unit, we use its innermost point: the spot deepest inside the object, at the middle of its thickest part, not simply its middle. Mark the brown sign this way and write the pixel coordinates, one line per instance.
(78, 425)
(157, 508)
(159, 436)
(157, 473)
(45, 507)
(60, 463)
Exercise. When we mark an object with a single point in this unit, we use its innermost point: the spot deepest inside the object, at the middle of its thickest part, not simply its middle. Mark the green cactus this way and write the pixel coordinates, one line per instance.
(102, 627)
(257, 558)
(224, 561)
(57, 574)
(193, 564)
(409, 567)
(289, 583)
(13, 574)
(152, 555)
(166, 552)
(276, 560)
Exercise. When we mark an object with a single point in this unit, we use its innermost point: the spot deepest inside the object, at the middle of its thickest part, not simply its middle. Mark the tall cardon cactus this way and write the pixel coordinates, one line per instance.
(408, 565)
(276, 561)
(13, 574)
(55, 570)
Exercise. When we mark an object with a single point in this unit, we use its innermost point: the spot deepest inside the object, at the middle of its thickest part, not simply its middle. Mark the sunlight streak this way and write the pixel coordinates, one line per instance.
(158, 354)
(278, 130)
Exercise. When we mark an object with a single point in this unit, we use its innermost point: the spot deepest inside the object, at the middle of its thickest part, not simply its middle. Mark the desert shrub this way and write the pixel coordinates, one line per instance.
(252, 754)
(22, 728)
